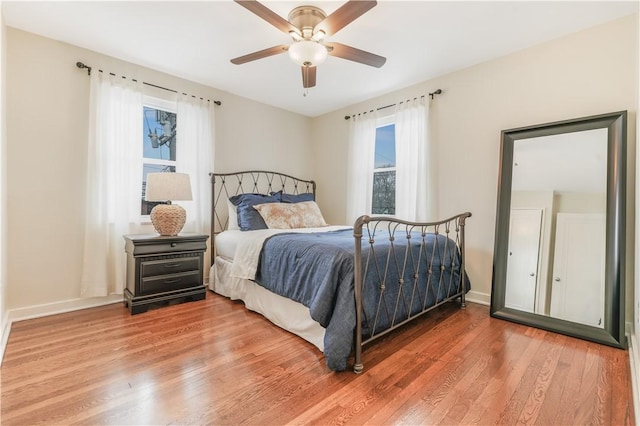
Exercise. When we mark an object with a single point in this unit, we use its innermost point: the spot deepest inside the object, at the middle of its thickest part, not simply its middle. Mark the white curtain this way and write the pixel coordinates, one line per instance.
(114, 181)
(362, 143)
(194, 155)
(415, 168)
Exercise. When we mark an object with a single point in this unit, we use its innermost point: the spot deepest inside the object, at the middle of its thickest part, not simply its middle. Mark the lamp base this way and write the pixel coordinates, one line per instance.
(168, 219)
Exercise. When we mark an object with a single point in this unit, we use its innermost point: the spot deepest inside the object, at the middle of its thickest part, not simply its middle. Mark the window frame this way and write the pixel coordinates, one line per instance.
(383, 121)
(164, 105)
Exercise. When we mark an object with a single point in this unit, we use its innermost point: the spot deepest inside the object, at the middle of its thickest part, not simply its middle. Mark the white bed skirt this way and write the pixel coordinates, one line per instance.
(285, 313)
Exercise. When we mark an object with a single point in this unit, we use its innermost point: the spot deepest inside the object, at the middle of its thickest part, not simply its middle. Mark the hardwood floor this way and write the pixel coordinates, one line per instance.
(214, 362)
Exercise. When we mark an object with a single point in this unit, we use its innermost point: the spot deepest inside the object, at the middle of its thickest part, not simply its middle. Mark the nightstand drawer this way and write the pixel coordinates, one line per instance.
(170, 266)
(159, 247)
(163, 283)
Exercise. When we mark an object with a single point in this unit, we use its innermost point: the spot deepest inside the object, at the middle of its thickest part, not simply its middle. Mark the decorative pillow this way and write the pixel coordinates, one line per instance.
(248, 218)
(305, 214)
(233, 217)
(299, 198)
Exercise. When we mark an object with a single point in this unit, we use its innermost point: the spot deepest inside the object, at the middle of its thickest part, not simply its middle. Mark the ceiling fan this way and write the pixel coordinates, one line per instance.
(308, 26)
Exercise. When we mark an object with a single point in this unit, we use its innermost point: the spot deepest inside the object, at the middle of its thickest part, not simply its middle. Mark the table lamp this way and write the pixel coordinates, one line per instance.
(168, 219)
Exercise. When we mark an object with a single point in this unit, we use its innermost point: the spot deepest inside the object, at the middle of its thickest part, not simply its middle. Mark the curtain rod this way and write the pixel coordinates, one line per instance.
(88, 68)
(432, 95)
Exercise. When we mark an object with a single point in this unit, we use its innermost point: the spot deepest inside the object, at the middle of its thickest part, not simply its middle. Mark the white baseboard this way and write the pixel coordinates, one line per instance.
(477, 297)
(37, 311)
(4, 337)
(634, 366)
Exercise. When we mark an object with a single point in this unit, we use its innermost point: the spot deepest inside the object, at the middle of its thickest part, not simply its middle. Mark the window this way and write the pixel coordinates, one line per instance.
(384, 170)
(159, 142)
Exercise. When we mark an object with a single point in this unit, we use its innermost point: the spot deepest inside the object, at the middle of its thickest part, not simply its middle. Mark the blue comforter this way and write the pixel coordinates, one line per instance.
(317, 270)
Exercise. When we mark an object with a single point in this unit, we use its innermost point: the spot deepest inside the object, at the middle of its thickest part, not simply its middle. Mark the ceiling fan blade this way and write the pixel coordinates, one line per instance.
(268, 15)
(344, 15)
(275, 50)
(308, 76)
(351, 53)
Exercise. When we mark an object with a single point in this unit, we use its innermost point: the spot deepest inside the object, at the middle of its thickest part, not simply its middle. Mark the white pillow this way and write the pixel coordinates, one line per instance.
(288, 216)
(233, 217)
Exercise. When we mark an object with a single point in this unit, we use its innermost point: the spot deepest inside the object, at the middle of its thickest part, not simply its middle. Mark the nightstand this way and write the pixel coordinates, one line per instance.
(163, 269)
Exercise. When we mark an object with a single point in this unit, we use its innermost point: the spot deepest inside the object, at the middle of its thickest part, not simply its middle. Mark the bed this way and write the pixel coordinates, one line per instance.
(338, 287)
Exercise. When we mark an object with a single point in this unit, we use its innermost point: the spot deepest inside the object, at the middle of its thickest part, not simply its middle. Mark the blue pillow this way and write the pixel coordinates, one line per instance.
(299, 198)
(248, 218)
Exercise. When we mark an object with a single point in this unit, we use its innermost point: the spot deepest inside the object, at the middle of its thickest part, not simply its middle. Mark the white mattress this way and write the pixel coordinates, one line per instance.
(226, 243)
(285, 313)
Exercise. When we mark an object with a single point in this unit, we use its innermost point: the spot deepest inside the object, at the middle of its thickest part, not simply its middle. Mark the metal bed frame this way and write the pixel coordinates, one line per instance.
(409, 284)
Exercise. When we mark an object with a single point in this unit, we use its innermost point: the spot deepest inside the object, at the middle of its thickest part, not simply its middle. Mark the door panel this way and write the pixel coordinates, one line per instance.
(522, 264)
(578, 269)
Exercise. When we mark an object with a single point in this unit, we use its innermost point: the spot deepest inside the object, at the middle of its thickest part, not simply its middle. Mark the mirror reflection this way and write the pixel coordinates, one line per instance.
(557, 227)
(559, 252)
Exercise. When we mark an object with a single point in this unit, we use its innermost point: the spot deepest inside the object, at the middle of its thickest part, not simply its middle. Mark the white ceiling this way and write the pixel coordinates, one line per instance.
(420, 39)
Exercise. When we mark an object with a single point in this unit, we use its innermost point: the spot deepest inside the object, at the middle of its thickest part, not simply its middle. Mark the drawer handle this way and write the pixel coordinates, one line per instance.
(174, 244)
(177, 280)
(172, 265)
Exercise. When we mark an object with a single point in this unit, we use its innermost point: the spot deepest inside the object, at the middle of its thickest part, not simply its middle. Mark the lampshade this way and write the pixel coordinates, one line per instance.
(168, 219)
(307, 53)
(168, 187)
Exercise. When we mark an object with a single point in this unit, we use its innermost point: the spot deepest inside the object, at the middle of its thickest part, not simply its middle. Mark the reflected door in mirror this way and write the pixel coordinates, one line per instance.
(578, 269)
(522, 267)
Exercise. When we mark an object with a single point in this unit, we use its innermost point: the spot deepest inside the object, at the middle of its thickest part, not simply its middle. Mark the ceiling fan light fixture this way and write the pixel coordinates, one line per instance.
(294, 35)
(307, 53)
(319, 35)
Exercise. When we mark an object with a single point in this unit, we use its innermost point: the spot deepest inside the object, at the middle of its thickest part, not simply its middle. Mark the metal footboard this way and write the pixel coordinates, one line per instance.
(412, 288)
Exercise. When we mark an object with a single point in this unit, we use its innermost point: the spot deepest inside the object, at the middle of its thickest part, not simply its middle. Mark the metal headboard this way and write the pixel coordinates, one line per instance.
(225, 185)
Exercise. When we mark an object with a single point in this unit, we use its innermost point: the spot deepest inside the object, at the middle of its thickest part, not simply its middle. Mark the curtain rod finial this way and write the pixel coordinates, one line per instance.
(83, 66)
(437, 92)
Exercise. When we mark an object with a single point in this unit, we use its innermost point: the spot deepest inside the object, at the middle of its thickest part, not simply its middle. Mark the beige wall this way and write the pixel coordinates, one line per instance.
(4, 334)
(635, 335)
(590, 72)
(47, 124)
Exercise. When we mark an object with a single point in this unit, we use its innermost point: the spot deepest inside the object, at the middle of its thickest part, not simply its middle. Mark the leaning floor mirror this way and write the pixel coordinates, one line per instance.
(560, 228)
